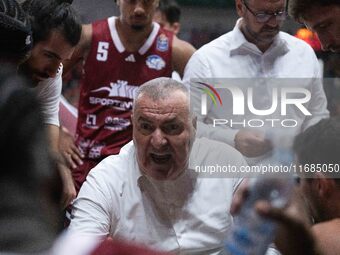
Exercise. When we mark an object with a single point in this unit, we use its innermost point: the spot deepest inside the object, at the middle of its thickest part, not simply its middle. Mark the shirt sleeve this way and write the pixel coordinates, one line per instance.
(198, 67)
(49, 92)
(93, 212)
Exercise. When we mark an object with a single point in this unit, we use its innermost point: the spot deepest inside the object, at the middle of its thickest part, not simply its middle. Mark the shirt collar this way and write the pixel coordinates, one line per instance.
(240, 45)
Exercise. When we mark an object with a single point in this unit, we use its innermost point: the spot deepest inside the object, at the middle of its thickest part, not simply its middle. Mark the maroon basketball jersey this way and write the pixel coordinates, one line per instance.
(109, 83)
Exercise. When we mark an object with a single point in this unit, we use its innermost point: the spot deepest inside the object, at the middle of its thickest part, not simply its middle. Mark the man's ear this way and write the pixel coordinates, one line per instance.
(325, 186)
(194, 122)
(239, 8)
(176, 26)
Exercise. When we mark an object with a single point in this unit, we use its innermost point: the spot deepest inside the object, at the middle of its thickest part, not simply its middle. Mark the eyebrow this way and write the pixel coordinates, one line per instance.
(141, 118)
(53, 54)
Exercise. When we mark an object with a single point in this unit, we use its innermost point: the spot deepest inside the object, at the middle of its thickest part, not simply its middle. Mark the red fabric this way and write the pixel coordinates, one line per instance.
(114, 247)
(79, 174)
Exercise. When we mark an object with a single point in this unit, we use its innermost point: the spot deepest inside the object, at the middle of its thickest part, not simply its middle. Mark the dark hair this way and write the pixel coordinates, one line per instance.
(319, 144)
(15, 31)
(30, 187)
(298, 8)
(171, 10)
(49, 15)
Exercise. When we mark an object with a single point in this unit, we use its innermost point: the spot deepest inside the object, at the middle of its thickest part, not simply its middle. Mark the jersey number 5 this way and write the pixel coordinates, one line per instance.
(102, 51)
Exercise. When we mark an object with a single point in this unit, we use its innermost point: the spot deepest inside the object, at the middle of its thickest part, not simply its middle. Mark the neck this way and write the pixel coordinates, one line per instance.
(131, 38)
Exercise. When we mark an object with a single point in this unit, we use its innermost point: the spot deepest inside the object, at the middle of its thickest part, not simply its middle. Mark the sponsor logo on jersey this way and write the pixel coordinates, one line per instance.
(155, 62)
(117, 104)
(162, 43)
(130, 58)
(91, 148)
(116, 123)
(116, 89)
(119, 89)
(96, 151)
(91, 121)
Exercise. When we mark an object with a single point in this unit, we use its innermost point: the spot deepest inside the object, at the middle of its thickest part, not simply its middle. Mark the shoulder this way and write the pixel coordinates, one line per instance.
(182, 49)
(181, 45)
(296, 44)
(86, 37)
(181, 53)
(205, 149)
(115, 168)
(327, 236)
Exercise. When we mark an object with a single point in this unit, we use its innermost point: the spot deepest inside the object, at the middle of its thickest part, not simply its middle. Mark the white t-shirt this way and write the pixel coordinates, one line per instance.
(49, 92)
(189, 215)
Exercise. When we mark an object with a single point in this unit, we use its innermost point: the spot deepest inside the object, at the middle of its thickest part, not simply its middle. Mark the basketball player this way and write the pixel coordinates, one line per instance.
(119, 54)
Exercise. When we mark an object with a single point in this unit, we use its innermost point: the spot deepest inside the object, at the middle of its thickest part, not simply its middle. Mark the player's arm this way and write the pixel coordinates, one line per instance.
(82, 49)
(181, 53)
(69, 192)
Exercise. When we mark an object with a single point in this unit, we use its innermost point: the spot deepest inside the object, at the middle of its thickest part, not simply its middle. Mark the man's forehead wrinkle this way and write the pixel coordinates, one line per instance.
(157, 110)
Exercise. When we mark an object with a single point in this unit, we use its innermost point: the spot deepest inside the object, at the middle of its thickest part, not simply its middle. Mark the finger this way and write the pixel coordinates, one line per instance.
(240, 196)
(69, 159)
(77, 151)
(76, 159)
(266, 210)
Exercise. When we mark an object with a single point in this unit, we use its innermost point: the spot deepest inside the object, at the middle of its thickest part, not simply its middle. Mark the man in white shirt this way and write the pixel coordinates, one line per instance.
(255, 49)
(56, 32)
(150, 192)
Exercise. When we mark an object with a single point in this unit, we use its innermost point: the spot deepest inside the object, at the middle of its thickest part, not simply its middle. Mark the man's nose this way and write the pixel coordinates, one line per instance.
(272, 22)
(139, 7)
(53, 69)
(158, 139)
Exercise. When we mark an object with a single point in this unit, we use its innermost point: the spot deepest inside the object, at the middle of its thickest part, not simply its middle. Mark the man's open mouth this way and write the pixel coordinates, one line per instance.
(160, 158)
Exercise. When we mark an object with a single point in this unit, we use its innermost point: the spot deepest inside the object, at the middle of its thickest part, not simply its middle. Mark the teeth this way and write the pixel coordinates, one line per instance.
(160, 158)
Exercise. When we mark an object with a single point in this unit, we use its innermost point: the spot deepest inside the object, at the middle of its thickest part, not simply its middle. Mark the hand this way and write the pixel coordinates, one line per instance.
(69, 190)
(69, 150)
(239, 197)
(293, 236)
(252, 144)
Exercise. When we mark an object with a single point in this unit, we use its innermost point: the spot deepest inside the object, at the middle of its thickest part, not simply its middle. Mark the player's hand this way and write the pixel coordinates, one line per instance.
(240, 196)
(68, 149)
(252, 144)
(293, 236)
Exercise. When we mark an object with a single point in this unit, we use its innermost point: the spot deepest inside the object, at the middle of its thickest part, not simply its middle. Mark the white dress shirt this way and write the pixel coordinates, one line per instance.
(232, 56)
(187, 216)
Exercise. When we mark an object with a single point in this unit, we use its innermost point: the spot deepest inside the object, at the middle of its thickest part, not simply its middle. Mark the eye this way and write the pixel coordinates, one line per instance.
(173, 128)
(322, 27)
(145, 127)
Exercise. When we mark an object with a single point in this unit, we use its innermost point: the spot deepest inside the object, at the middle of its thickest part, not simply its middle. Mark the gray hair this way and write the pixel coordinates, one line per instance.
(160, 88)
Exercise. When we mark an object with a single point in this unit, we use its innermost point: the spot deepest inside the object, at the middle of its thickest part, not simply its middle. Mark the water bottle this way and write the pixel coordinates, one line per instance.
(252, 234)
